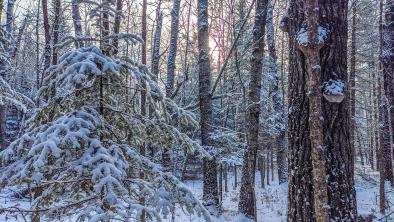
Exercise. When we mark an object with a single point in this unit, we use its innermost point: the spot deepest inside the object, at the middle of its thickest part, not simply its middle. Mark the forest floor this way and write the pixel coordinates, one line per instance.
(271, 200)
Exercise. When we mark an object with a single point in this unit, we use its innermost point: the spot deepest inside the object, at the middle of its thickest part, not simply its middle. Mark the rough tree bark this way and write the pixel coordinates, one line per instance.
(143, 92)
(2, 106)
(20, 36)
(387, 70)
(156, 47)
(77, 21)
(118, 18)
(9, 17)
(247, 202)
(277, 99)
(166, 156)
(386, 98)
(56, 24)
(210, 183)
(47, 35)
(173, 48)
(387, 60)
(352, 78)
(333, 142)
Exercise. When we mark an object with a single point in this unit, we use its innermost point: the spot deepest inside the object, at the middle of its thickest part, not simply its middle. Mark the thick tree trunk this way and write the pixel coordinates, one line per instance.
(247, 202)
(210, 189)
(277, 99)
(319, 141)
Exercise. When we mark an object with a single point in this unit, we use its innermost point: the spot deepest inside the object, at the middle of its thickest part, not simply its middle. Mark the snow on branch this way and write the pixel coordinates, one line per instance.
(83, 151)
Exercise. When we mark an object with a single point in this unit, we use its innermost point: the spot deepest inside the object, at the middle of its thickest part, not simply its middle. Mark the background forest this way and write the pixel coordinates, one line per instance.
(196, 110)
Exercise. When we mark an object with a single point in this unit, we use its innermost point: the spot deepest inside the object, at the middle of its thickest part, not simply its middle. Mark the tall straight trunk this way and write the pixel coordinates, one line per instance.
(77, 21)
(210, 183)
(143, 92)
(143, 54)
(56, 24)
(387, 60)
(277, 99)
(47, 35)
(1, 9)
(247, 202)
(105, 45)
(385, 93)
(173, 48)
(166, 156)
(352, 78)
(2, 106)
(311, 51)
(9, 16)
(156, 47)
(38, 46)
(19, 37)
(118, 18)
(319, 143)
(3, 129)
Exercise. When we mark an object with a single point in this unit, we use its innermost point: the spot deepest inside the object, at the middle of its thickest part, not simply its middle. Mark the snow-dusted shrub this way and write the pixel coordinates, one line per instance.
(81, 152)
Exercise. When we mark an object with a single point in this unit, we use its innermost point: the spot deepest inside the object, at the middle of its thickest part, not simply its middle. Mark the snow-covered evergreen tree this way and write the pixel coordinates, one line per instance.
(80, 153)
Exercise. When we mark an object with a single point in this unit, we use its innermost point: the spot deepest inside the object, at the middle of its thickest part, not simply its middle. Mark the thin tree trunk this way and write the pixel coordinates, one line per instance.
(235, 177)
(3, 142)
(247, 203)
(385, 134)
(156, 47)
(277, 99)
(387, 60)
(47, 50)
(56, 25)
(2, 106)
(225, 171)
(20, 36)
(118, 18)
(262, 171)
(38, 46)
(173, 48)
(210, 189)
(171, 67)
(267, 168)
(77, 21)
(352, 77)
(221, 183)
(143, 92)
(9, 17)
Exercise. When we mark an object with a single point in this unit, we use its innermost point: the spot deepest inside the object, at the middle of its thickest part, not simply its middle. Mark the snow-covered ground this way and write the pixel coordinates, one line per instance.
(271, 201)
